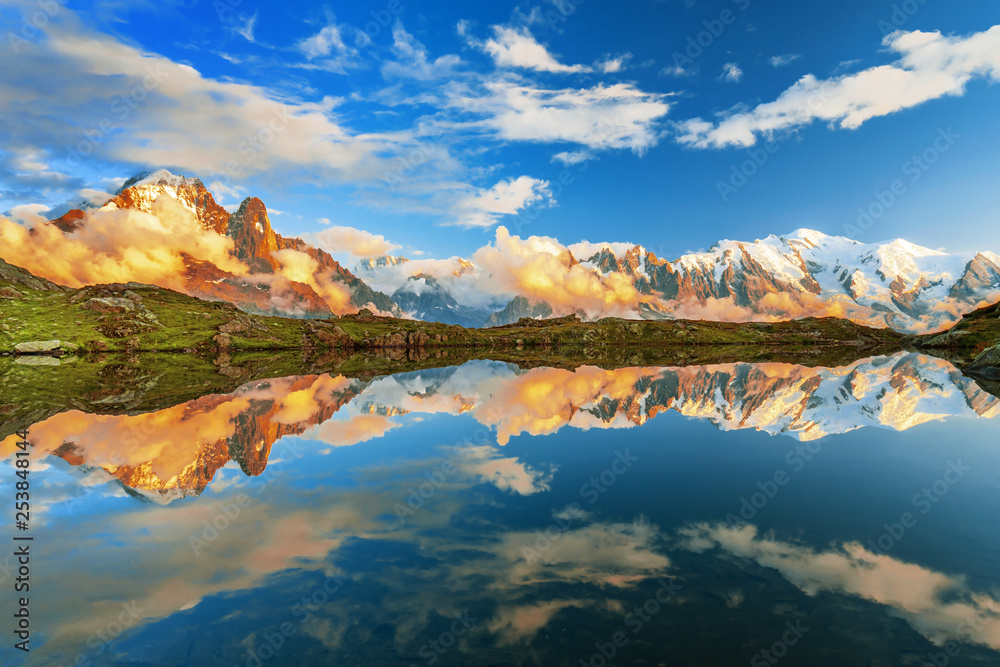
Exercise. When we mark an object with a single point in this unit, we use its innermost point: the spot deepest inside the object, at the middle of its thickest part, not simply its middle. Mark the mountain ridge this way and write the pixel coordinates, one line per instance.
(255, 244)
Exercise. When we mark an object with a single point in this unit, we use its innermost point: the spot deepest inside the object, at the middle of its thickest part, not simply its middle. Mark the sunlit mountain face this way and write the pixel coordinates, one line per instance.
(533, 514)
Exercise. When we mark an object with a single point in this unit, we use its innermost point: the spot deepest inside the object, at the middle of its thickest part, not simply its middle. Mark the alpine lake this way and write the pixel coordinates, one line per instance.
(483, 512)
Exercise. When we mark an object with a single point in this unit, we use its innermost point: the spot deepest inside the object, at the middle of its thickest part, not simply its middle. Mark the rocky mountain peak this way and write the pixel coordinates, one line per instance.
(140, 191)
(250, 229)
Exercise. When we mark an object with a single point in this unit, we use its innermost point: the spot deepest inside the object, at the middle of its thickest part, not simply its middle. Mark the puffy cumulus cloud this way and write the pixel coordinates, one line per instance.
(938, 605)
(542, 269)
(30, 214)
(297, 266)
(584, 250)
(603, 554)
(506, 473)
(486, 207)
(459, 277)
(544, 400)
(357, 243)
(930, 66)
(602, 117)
(119, 246)
(772, 307)
(514, 47)
(352, 430)
(129, 245)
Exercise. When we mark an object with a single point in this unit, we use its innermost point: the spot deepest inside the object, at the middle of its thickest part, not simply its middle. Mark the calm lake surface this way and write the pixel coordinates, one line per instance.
(485, 514)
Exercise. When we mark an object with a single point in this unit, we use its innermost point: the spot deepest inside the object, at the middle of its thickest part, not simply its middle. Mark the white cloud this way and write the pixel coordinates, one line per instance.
(584, 250)
(511, 47)
(486, 207)
(95, 197)
(570, 158)
(413, 61)
(224, 193)
(611, 65)
(246, 28)
(930, 66)
(602, 117)
(676, 70)
(357, 243)
(935, 604)
(168, 113)
(731, 72)
(29, 215)
(328, 50)
(782, 60)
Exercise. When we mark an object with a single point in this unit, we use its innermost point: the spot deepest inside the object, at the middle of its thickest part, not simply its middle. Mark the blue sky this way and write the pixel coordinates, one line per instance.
(431, 123)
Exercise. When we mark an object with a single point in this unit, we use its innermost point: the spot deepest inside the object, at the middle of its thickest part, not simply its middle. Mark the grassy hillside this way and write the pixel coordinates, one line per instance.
(976, 331)
(133, 318)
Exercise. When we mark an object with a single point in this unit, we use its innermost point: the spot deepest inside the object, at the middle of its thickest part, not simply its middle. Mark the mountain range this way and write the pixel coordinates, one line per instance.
(806, 273)
(893, 284)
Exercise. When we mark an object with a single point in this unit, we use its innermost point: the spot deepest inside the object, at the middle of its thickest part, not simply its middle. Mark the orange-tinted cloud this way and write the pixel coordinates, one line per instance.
(542, 269)
(119, 246)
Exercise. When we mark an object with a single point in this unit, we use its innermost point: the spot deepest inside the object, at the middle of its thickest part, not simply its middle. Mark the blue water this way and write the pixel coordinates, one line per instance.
(668, 543)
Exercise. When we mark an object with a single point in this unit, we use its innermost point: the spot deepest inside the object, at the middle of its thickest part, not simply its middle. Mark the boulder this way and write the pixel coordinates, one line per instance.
(9, 293)
(332, 336)
(990, 358)
(37, 361)
(223, 341)
(233, 326)
(37, 346)
(109, 305)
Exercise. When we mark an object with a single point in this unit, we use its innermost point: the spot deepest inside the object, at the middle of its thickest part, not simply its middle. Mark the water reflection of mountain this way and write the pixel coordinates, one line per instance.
(177, 451)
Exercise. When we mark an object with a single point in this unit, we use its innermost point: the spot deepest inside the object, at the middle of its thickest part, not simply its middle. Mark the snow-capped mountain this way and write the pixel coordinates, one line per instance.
(267, 288)
(424, 298)
(895, 284)
(374, 263)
